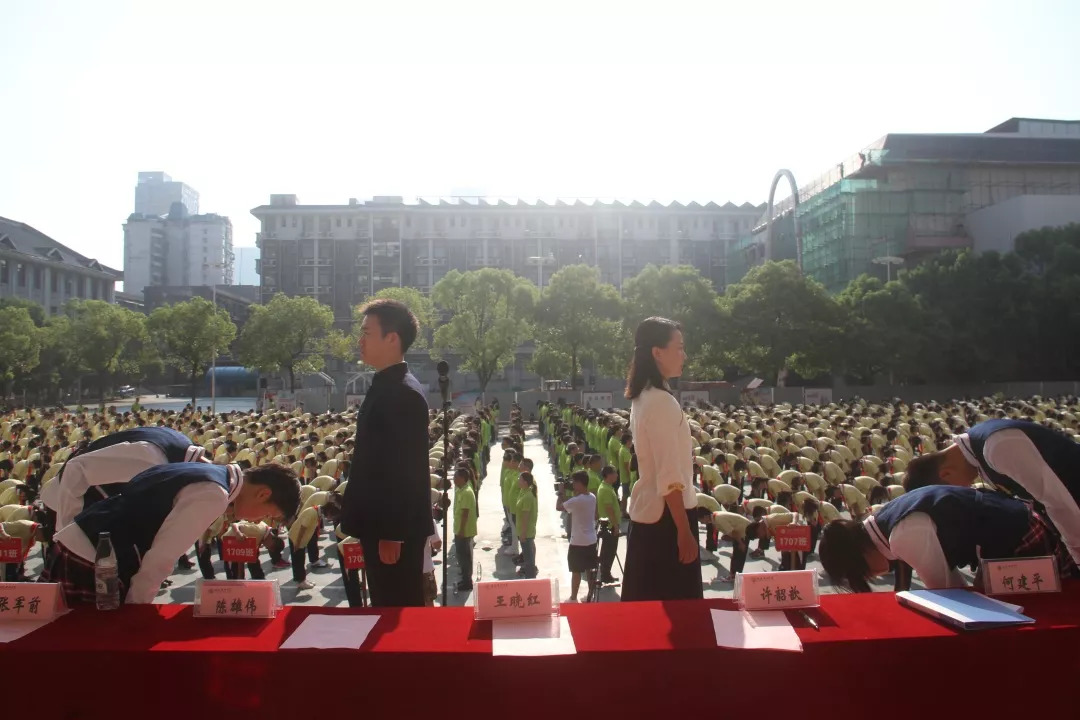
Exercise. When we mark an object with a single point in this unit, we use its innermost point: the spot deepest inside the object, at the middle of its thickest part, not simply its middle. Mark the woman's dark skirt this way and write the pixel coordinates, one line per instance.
(653, 570)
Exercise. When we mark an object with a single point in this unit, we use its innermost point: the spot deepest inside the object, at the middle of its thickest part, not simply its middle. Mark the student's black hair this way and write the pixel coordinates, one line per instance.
(394, 317)
(529, 464)
(284, 487)
(924, 470)
(758, 513)
(528, 477)
(580, 477)
(878, 495)
(654, 332)
(608, 470)
(842, 552)
(784, 498)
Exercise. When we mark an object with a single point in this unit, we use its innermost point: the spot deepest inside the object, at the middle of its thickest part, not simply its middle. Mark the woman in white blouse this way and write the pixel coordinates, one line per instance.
(662, 561)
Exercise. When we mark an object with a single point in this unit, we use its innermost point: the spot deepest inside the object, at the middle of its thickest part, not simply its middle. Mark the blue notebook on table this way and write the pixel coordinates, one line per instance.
(964, 609)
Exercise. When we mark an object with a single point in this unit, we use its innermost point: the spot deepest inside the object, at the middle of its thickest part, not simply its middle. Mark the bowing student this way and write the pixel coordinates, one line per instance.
(1017, 457)
(302, 533)
(936, 530)
(111, 460)
(159, 514)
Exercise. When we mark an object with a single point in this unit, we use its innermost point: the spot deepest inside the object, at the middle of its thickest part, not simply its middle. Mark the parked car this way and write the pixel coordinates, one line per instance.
(126, 391)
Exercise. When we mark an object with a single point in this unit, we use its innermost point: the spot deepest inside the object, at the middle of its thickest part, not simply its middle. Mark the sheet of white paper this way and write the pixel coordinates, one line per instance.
(532, 637)
(331, 631)
(19, 628)
(760, 630)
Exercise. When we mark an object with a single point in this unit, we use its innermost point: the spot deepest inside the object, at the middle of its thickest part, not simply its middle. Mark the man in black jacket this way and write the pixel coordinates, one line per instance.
(388, 500)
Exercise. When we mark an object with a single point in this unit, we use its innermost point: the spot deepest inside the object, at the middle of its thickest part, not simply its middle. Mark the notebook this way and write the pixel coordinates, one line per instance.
(964, 609)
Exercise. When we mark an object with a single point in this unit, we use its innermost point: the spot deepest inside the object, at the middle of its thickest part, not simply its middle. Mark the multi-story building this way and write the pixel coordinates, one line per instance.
(908, 196)
(177, 249)
(156, 192)
(344, 253)
(35, 267)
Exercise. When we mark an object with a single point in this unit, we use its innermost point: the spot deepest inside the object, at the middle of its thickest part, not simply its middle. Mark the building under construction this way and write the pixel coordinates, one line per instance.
(908, 196)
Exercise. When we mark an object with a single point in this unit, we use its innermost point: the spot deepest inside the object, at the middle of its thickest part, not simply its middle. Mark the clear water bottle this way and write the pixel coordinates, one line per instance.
(106, 575)
(479, 572)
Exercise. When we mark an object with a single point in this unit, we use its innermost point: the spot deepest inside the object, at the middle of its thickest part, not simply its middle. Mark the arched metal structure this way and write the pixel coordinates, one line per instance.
(795, 216)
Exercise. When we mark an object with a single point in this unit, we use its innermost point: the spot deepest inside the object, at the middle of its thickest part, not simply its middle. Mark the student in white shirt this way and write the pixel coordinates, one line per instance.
(662, 552)
(434, 544)
(582, 556)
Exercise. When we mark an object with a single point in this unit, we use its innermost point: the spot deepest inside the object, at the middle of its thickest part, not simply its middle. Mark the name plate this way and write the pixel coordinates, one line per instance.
(30, 601)
(354, 556)
(777, 590)
(1020, 576)
(237, 598)
(792, 538)
(11, 550)
(516, 598)
(239, 549)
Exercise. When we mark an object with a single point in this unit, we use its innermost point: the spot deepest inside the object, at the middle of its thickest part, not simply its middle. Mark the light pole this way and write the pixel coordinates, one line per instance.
(888, 261)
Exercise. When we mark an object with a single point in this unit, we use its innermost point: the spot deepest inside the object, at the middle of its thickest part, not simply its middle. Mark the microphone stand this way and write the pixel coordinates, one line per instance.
(444, 389)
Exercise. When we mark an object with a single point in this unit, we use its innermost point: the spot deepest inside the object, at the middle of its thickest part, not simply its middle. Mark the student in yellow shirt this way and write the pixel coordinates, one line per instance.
(610, 513)
(525, 512)
(464, 527)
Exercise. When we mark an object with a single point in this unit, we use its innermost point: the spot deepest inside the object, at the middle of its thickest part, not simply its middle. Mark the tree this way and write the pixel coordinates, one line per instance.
(20, 344)
(291, 334)
(579, 318)
(886, 332)
(420, 305)
(103, 337)
(683, 294)
(37, 312)
(487, 317)
(189, 335)
(775, 319)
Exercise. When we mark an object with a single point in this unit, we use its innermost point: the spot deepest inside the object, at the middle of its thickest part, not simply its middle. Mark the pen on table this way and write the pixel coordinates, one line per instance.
(809, 620)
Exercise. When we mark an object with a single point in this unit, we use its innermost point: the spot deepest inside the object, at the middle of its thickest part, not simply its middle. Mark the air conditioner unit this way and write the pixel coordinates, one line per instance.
(363, 261)
(309, 288)
(270, 262)
(307, 261)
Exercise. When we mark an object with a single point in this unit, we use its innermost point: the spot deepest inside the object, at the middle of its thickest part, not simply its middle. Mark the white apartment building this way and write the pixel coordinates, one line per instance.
(156, 192)
(177, 250)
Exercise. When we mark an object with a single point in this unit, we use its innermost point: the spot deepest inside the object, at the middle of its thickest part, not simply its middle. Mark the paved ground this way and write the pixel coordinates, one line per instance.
(551, 550)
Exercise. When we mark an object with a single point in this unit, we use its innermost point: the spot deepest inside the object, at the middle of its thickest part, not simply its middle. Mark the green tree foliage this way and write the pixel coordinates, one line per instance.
(106, 340)
(578, 323)
(775, 319)
(683, 294)
(290, 334)
(20, 344)
(37, 312)
(420, 305)
(886, 331)
(487, 315)
(189, 335)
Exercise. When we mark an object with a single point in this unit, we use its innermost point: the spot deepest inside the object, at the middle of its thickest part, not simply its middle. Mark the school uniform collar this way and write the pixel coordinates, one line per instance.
(392, 373)
(236, 480)
(963, 441)
(880, 541)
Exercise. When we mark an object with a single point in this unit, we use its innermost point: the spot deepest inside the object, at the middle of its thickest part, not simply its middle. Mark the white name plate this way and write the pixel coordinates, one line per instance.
(516, 598)
(777, 590)
(1020, 576)
(30, 601)
(237, 598)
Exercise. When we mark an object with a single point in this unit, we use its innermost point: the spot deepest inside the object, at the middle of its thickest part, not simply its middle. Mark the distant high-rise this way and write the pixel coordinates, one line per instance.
(156, 193)
(177, 249)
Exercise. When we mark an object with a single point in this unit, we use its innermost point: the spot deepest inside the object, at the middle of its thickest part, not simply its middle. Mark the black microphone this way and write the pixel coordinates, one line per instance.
(443, 368)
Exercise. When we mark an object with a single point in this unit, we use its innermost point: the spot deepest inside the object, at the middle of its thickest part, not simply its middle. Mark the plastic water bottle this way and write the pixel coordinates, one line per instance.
(479, 572)
(106, 576)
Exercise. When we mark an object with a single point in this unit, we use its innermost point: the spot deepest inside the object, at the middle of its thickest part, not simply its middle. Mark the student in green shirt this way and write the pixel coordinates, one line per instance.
(464, 528)
(594, 464)
(613, 447)
(607, 508)
(507, 479)
(525, 509)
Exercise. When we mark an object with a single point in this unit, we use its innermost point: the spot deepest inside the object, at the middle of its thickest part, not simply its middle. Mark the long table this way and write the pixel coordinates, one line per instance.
(870, 658)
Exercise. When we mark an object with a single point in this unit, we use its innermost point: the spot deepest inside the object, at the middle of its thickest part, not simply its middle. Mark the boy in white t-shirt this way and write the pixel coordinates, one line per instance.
(434, 544)
(582, 556)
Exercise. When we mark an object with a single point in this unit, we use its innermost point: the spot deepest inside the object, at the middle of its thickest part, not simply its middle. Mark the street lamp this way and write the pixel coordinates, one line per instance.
(888, 261)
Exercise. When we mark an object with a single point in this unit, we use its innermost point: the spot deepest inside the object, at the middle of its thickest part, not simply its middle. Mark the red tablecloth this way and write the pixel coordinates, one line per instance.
(870, 657)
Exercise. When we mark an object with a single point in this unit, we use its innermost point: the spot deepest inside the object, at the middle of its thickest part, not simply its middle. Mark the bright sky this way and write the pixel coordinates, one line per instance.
(646, 100)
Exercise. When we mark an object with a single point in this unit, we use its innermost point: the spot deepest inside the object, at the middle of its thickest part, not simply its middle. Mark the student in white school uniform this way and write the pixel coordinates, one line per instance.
(582, 556)
(157, 515)
(662, 552)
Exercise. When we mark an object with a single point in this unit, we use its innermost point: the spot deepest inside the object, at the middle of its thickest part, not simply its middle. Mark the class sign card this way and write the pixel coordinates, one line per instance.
(30, 601)
(516, 598)
(354, 556)
(11, 550)
(777, 590)
(239, 549)
(1019, 576)
(792, 538)
(237, 598)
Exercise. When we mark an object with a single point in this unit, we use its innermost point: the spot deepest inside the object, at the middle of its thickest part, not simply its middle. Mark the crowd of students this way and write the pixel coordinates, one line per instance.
(866, 478)
(56, 467)
(872, 481)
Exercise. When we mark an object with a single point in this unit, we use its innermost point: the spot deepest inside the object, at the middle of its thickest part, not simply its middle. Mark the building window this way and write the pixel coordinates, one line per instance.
(4, 271)
(338, 222)
(348, 223)
(39, 278)
(20, 270)
(294, 222)
(282, 222)
(55, 282)
(67, 287)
